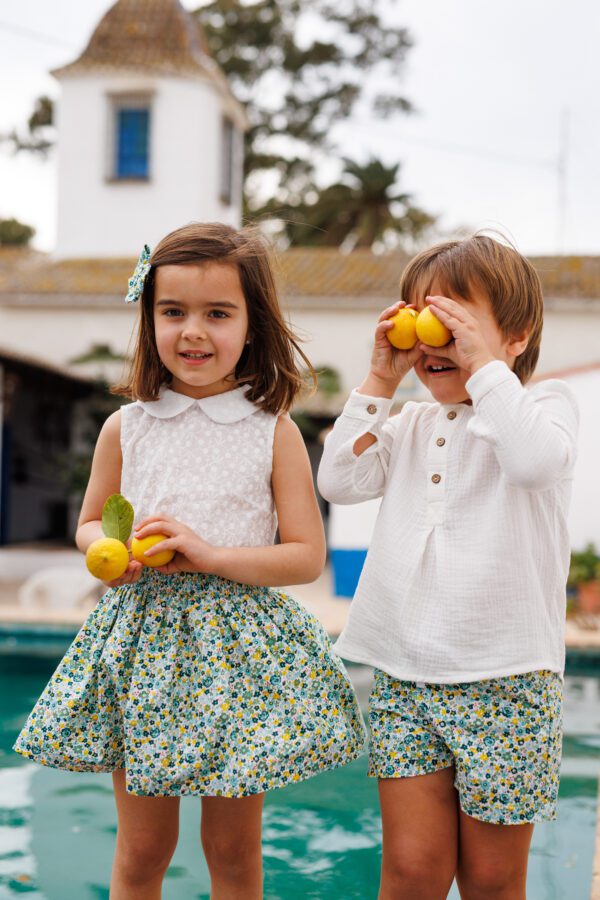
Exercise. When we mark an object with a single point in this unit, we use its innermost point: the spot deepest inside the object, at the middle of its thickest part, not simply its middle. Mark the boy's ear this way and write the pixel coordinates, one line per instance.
(517, 343)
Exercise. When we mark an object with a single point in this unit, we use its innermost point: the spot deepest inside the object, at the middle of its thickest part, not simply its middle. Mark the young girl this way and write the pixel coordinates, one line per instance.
(461, 603)
(197, 677)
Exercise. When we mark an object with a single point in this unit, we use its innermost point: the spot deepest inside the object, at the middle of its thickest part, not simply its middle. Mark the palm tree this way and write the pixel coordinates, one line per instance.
(362, 208)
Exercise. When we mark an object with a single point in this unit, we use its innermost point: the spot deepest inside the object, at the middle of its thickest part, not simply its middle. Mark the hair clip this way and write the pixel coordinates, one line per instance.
(136, 282)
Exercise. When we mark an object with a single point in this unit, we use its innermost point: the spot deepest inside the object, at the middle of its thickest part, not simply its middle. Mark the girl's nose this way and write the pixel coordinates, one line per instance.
(194, 331)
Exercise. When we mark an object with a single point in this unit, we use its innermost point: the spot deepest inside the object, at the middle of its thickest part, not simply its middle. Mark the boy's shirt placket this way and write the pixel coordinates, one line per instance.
(438, 448)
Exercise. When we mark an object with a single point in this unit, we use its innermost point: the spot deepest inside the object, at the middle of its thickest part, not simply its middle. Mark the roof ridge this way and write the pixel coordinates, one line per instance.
(154, 35)
(302, 272)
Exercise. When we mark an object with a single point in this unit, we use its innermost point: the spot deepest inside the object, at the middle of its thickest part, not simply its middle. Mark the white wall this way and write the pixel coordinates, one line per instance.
(584, 520)
(99, 217)
(571, 337)
(56, 335)
(341, 339)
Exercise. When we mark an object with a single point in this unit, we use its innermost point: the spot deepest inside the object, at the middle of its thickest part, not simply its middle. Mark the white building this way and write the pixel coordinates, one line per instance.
(149, 133)
(150, 137)
(57, 310)
(584, 516)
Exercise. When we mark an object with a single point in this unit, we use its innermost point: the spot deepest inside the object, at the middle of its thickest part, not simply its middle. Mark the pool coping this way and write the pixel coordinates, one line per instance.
(317, 597)
(595, 893)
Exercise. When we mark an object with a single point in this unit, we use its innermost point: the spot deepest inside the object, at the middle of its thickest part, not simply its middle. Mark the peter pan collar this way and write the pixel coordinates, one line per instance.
(232, 406)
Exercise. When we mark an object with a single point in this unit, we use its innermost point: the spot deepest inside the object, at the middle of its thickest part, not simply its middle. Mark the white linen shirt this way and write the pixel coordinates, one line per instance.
(465, 574)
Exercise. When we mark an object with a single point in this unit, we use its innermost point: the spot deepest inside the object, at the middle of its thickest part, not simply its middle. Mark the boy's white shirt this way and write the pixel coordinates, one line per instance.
(465, 574)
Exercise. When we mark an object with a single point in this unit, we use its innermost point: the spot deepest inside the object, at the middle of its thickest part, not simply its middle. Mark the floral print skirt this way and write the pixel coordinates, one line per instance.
(197, 685)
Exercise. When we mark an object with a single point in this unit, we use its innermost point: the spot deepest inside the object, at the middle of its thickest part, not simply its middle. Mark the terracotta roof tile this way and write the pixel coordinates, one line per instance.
(302, 273)
(39, 274)
(308, 271)
(157, 36)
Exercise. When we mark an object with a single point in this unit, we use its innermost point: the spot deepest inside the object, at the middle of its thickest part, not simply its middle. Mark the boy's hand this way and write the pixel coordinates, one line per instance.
(192, 554)
(468, 348)
(388, 365)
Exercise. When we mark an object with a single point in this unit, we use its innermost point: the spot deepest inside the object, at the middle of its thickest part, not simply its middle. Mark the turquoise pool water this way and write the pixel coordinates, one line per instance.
(322, 838)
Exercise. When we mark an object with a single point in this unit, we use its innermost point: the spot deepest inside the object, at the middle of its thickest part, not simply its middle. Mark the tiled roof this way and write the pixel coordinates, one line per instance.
(157, 36)
(35, 273)
(569, 276)
(321, 271)
(317, 273)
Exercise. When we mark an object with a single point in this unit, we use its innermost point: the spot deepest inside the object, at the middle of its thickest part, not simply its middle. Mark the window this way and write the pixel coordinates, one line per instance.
(131, 142)
(228, 160)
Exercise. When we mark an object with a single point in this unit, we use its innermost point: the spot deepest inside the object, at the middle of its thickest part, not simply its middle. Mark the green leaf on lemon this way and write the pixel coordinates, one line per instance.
(117, 517)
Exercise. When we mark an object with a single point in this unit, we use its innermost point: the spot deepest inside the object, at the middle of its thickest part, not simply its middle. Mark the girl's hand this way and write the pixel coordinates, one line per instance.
(131, 574)
(389, 365)
(192, 554)
(469, 349)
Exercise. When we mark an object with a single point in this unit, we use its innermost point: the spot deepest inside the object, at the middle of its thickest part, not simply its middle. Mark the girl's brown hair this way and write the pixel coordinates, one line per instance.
(485, 264)
(268, 363)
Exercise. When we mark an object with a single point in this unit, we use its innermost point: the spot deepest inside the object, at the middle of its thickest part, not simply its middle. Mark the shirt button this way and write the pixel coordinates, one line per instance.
(436, 479)
(452, 414)
(371, 409)
(440, 442)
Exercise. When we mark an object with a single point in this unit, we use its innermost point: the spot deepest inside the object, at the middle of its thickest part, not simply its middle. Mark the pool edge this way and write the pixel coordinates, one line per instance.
(595, 894)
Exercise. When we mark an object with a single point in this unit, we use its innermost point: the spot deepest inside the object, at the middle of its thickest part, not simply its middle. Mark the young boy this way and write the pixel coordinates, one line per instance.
(461, 604)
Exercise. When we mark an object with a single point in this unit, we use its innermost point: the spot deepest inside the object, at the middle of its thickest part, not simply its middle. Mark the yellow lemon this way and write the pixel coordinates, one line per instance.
(107, 558)
(139, 547)
(430, 330)
(403, 335)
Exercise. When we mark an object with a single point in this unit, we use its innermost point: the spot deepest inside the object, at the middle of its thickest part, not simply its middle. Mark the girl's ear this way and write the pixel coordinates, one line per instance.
(517, 343)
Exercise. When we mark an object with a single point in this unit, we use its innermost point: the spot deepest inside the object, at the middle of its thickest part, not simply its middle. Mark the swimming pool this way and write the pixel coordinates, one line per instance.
(322, 837)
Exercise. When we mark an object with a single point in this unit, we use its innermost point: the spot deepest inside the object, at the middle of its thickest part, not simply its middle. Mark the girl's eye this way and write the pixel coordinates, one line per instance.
(218, 313)
(172, 312)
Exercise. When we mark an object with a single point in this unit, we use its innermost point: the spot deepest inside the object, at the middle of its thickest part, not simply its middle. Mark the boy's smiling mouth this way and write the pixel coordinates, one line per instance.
(439, 366)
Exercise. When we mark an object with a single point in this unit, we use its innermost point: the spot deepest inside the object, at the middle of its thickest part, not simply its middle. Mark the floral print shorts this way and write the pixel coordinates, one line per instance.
(502, 735)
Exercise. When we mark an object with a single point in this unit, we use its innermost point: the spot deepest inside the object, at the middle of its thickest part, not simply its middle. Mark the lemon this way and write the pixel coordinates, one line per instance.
(430, 330)
(107, 558)
(139, 547)
(403, 335)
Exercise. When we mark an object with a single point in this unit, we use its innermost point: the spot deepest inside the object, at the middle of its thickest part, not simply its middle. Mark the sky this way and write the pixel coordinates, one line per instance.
(506, 97)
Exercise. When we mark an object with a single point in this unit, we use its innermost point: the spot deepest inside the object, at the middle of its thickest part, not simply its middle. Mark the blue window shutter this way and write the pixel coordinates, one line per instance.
(132, 143)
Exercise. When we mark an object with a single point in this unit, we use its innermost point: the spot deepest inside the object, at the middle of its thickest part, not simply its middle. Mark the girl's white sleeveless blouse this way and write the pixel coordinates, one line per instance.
(205, 462)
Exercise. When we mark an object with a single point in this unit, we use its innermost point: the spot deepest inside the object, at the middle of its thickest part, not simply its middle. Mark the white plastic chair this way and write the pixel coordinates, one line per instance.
(58, 587)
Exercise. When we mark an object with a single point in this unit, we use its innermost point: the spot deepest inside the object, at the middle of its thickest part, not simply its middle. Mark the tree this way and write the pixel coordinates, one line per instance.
(14, 233)
(299, 68)
(363, 209)
(39, 137)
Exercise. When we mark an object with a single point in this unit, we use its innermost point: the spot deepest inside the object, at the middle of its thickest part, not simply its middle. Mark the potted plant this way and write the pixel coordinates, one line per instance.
(584, 575)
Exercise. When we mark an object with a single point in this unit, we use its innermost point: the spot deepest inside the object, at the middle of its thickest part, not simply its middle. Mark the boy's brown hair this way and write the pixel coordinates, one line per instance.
(268, 363)
(485, 264)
